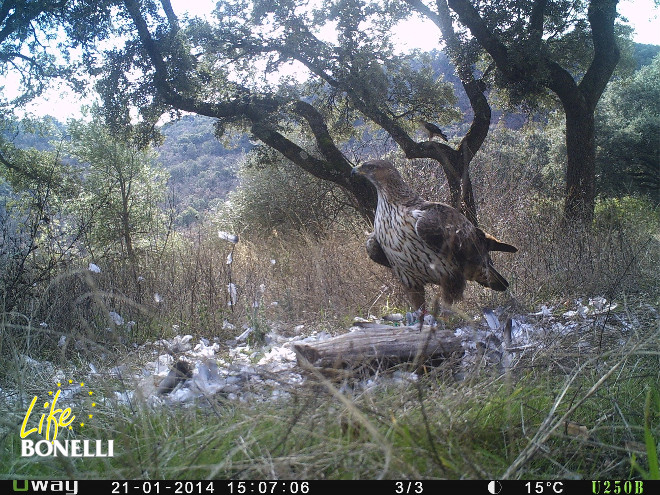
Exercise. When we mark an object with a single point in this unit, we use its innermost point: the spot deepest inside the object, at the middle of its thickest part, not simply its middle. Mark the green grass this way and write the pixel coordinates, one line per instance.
(583, 405)
(597, 419)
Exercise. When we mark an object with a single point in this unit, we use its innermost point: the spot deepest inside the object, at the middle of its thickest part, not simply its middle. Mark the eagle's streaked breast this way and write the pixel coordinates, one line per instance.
(413, 261)
(425, 242)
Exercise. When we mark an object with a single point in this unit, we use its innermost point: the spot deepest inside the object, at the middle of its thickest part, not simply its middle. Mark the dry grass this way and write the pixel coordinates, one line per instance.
(569, 409)
(573, 407)
(322, 282)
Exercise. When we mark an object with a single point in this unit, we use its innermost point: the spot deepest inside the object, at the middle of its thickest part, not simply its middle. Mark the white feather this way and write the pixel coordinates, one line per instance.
(226, 236)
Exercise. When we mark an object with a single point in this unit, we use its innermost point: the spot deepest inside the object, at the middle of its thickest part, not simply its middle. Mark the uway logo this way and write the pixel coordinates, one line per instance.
(66, 487)
(55, 419)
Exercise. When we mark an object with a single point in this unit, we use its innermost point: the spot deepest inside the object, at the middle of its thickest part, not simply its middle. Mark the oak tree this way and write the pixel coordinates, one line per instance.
(224, 68)
(564, 48)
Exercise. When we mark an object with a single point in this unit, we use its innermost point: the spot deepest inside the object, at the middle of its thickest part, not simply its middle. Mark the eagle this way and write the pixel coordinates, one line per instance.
(424, 242)
(433, 130)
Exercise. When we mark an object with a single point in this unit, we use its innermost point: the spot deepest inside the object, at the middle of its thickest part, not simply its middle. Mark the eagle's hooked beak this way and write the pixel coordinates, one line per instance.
(356, 171)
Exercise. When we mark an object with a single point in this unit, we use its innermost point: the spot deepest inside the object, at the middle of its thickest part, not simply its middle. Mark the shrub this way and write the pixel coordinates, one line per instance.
(275, 194)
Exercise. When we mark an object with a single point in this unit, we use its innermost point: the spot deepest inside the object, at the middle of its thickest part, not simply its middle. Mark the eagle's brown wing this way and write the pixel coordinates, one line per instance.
(375, 251)
(443, 228)
(464, 246)
(447, 233)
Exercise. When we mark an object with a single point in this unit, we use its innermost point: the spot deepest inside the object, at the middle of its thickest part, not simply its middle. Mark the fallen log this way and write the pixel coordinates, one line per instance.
(380, 347)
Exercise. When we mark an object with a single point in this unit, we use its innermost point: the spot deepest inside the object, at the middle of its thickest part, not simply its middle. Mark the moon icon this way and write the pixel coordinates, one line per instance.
(494, 487)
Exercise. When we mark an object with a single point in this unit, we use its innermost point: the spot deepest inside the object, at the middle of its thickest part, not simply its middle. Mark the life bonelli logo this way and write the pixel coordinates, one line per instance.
(53, 419)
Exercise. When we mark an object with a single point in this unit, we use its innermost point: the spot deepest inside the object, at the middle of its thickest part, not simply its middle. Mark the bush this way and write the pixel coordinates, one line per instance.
(275, 194)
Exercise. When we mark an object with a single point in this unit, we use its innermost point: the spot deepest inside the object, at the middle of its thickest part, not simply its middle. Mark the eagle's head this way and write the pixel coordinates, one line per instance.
(386, 178)
(378, 172)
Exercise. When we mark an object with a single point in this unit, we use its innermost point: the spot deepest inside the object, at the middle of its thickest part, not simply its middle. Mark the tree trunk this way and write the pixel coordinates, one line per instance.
(581, 164)
(457, 172)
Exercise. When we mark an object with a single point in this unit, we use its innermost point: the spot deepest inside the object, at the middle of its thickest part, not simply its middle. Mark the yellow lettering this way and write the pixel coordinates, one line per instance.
(56, 418)
(25, 420)
(64, 416)
(41, 422)
(51, 417)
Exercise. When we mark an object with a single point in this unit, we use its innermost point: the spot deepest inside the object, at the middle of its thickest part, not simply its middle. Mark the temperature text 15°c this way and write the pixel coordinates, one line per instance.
(544, 486)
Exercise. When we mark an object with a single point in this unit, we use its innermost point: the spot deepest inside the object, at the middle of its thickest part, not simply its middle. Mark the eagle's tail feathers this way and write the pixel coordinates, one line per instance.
(492, 279)
(493, 244)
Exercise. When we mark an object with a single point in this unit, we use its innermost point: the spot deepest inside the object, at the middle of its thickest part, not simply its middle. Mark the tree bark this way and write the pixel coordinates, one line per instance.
(334, 167)
(379, 347)
(580, 195)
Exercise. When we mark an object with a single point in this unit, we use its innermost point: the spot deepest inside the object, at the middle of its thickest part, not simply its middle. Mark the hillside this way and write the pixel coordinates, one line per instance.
(202, 170)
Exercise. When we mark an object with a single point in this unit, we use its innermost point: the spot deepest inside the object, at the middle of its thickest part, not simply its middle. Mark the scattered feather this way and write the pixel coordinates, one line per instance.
(244, 335)
(491, 319)
(245, 371)
(116, 318)
(231, 289)
(226, 236)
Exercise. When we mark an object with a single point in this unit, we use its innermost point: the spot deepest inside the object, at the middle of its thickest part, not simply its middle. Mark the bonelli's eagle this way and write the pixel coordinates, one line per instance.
(425, 242)
(433, 130)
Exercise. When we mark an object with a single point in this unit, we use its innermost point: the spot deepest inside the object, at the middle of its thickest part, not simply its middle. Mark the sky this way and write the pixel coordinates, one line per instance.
(417, 34)
(414, 33)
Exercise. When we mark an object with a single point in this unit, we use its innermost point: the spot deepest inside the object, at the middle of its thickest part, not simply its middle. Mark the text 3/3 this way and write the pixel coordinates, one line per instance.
(408, 487)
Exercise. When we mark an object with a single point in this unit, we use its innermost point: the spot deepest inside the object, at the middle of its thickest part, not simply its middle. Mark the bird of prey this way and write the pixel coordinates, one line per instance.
(425, 242)
(433, 130)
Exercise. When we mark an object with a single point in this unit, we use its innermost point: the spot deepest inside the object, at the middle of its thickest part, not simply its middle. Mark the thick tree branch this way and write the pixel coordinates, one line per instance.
(338, 173)
(601, 15)
(151, 48)
(474, 88)
(470, 17)
(361, 99)
(253, 108)
(535, 29)
(169, 13)
(324, 141)
(257, 109)
(561, 82)
(9, 56)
